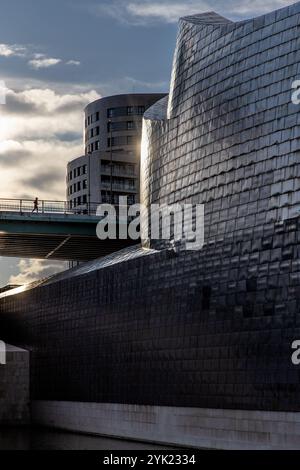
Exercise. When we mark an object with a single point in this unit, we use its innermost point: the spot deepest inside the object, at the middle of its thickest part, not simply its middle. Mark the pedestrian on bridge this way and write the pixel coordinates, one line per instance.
(35, 205)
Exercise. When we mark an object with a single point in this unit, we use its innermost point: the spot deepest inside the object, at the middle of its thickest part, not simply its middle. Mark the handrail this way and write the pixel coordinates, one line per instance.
(45, 206)
(27, 206)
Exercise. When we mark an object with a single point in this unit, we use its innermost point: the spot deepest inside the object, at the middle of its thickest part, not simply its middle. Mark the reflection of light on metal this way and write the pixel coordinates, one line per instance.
(16, 290)
(143, 184)
(2, 353)
(144, 159)
(20, 289)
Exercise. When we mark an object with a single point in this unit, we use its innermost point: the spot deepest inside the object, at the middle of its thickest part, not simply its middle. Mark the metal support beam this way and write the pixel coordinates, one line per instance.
(58, 247)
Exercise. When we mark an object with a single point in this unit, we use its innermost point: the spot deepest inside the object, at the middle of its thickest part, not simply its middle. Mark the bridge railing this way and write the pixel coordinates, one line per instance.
(43, 206)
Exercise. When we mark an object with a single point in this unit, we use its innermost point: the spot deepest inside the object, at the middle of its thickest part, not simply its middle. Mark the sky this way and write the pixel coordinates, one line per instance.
(58, 55)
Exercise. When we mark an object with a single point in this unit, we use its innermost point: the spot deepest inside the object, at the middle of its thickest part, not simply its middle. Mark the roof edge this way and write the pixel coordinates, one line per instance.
(207, 18)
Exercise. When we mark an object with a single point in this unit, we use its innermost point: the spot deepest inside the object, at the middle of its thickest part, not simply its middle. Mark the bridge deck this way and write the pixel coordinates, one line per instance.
(54, 233)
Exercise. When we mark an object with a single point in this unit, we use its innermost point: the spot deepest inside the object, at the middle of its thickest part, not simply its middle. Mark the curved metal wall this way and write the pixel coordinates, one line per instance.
(229, 137)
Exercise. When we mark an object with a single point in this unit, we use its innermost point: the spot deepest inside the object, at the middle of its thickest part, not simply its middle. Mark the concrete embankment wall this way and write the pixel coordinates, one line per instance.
(191, 427)
(14, 387)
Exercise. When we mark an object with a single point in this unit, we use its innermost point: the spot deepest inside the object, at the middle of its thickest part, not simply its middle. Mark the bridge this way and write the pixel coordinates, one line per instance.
(54, 230)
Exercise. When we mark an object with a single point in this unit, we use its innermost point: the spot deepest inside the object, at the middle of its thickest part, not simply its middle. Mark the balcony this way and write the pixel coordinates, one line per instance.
(105, 170)
(119, 187)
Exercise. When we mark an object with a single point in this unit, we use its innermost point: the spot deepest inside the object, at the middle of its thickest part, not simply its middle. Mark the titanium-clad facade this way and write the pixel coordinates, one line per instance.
(228, 136)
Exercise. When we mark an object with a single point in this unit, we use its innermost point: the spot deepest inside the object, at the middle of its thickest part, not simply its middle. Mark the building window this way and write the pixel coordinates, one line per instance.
(97, 130)
(97, 116)
(78, 186)
(111, 142)
(79, 200)
(84, 169)
(130, 125)
(84, 184)
(91, 133)
(70, 189)
(125, 111)
(97, 145)
(92, 147)
(130, 139)
(84, 199)
(70, 175)
(131, 199)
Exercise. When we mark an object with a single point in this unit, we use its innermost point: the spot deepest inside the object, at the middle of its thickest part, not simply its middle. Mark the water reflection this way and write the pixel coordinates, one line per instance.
(41, 439)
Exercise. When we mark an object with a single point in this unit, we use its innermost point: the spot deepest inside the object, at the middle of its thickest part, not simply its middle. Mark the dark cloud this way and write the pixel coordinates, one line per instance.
(16, 105)
(11, 158)
(26, 196)
(69, 136)
(76, 105)
(42, 102)
(46, 178)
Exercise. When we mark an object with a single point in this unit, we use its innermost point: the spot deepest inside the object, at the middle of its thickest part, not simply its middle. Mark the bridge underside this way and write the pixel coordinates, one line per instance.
(57, 238)
(70, 248)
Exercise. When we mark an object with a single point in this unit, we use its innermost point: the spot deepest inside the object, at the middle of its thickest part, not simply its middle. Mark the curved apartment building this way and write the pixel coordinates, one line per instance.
(111, 164)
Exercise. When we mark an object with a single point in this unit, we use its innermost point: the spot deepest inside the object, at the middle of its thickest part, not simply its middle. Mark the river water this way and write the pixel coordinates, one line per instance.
(41, 439)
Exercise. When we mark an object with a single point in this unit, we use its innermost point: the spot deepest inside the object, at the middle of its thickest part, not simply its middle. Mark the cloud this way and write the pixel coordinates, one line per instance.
(133, 82)
(255, 7)
(43, 63)
(7, 50)
(13, 155)
(168, 12)
(40, 131)
(33, 270)
(36, 60)
(127, 84)
(48, 100)
(73, 62)
(42, 178)
(147, 12)
(36, 168)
